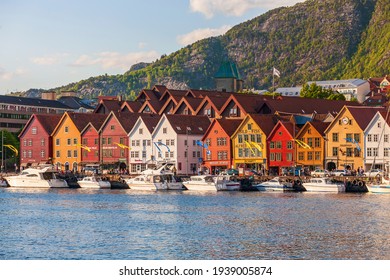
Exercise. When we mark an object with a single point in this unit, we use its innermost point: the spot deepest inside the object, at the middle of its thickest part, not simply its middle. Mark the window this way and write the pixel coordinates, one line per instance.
(185, 154)
(167, 141)
(356, 136)
(66, 129)
(386, 138)
(335, 137)
(30, 142)
(249, 126)
(375, 137)
(379, 125)
(317, 155)
(356, 152)
(137, 143)
(68, 141)
(34, 130)
(309, 155)
(208, 142)
(109, 140)
(272, 145)
(240, 152)
(278, 157)
(301, 156)
(140, 131)
(317, 142)
(103, 141)
(272, 156)
(165, 130)
(172, 142)
(143, 154)
(375, 152)
(96, 141)
(42, 154)
(258, 138)
(75, 153)
(233, 112)
(112, 127)
(369, 152)
(43, 142)
(58, 154)
(289, 156)
(335, 151)
(278, 144)
(289, 145)
(310, 141)
(69, 153)
(349, 152)
(369, 138)
(239, 138)
(74, 141)
(386, 152)
(194, 154)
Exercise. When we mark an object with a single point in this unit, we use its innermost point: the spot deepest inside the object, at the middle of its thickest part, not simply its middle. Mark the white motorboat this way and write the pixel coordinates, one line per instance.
(36, 178)
(159, 178)
(201, 183)
(324, 185)
(275, 184)
(212, 183)
(93, 182)
(225, 183)
(383, 187)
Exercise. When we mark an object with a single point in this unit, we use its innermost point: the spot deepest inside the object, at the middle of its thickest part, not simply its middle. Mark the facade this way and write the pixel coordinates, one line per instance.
(16, 111)
(141, 143)
(67, 140)
(311, 154)
(377, 143)
(36, 145)
(114, 140)
(250, 142)
(175, 139)
(281, 148)
(345, 137)
(217, 154)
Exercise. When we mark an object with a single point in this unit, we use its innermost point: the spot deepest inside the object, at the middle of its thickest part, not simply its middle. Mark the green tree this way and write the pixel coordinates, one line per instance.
(315, 91)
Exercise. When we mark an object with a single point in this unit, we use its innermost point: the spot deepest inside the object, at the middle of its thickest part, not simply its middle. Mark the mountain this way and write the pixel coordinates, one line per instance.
(313, 40)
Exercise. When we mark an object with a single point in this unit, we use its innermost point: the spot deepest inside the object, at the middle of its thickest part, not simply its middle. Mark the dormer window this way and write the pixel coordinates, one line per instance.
(233, 112)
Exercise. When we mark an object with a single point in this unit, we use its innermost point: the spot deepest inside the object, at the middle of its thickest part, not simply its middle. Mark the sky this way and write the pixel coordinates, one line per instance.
(51, 43)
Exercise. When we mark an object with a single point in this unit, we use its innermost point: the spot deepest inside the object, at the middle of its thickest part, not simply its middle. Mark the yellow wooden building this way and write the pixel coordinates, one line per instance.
(310, 145)
(345, 137)
(67, 140)
(249, 142)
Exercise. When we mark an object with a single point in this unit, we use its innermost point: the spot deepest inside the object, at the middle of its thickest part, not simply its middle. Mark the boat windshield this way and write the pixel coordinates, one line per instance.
(49, 175)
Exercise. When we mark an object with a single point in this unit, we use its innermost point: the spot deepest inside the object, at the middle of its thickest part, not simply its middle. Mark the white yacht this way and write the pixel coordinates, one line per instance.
(93, 182)
(36, 178)
(212, 183)
(201, 183)
(382, 187)
(275, 184)
(324, 185)
(158, 178)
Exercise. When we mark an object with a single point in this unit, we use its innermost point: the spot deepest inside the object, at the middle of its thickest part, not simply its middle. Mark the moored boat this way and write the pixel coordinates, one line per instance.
(36, 178)
(93, 182)
(324, 185)
(200, 183)
(275, 184)
(382, 187)
(226, 183)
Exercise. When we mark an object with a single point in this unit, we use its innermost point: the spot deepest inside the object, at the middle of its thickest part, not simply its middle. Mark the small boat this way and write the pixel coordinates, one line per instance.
(275, 184)
(45, 177)
(324, 185)
(93, 182)
(3, 183)
(158, 178)
(382, 187)
(226, 183)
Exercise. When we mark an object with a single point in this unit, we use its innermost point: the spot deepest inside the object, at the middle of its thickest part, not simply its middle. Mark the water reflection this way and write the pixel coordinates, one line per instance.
(123, 224)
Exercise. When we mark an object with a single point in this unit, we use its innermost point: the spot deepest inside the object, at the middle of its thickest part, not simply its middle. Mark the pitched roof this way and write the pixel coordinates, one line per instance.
(109, 105)
(27, 101)
(363, 115)
(48, 122)
(132, 106)
(126, 119)
(229, 125)
(320, 126)
(193, 124)
(150, 121)
(81, 120)
(228, 70)
(265, 122)
(74, 102)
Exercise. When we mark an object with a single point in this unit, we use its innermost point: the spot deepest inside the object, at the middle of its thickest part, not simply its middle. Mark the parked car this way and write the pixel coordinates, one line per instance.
(338, 172)
(231, 171)
(373, 173)
(320, 173)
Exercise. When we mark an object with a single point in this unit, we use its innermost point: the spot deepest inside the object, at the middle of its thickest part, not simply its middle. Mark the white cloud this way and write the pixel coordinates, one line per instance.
(199, 34)
(9, 75)
(235, 7)
(49, 59)
(114, 60)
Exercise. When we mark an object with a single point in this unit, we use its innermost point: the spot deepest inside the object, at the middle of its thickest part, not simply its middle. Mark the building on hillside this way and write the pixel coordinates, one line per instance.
(380, 85)
(345, 137)
(311, 145)
(377, 143)
(16, 111)
(289, 91)
(217, 145)
(352, 88)
(141, 143)
(227, 78)
(250, 142)
(77, 104)
(36, 144)
(176, 139)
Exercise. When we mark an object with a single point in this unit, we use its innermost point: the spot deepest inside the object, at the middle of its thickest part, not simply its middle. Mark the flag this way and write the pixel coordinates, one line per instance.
(302, 144)
(199, 143)
(162, 144)
(158, 148)
(276, 72)
(257, 145)
(250, 147)
(351, 140)
(123, 146)
(84, 147)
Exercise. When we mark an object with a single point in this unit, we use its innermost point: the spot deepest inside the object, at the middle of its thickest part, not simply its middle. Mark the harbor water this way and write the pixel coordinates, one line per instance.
(124, 224)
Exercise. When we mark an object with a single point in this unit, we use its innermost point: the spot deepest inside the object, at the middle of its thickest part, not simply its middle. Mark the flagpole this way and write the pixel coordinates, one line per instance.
(273, 83)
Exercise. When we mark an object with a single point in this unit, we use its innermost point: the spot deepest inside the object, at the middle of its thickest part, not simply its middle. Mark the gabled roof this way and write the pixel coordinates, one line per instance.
(203, 93)
(290, 127)
(159, 88)
(228, 125)
(228, 70)
(96, 122)
(175, 94)
(187, 124)
(363, 115)
(80, 120)
(265, 122)
(216, 102)
(317, 125)
(131, 106)
(108, 105)
(48, 122)
(154, 105)
(150, 121)
(190, 102)
(149, 94)
(248, 103)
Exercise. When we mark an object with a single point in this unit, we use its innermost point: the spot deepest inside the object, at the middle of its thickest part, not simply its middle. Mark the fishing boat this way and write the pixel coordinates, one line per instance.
(93, 182)
(45, 177)
(275, 184)
(158, 178)
(324, 185)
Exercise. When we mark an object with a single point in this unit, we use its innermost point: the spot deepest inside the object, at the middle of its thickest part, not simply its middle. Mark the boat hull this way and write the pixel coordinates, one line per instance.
(28, 183)
(324, 188)
(100, 185)
(379, 189)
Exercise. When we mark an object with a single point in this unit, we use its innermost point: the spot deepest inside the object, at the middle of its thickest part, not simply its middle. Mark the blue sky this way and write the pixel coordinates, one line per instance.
(49, 43)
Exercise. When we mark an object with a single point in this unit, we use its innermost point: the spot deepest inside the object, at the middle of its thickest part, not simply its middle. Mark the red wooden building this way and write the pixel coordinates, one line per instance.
(217, 156)
(36, 145)
(280, 148)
